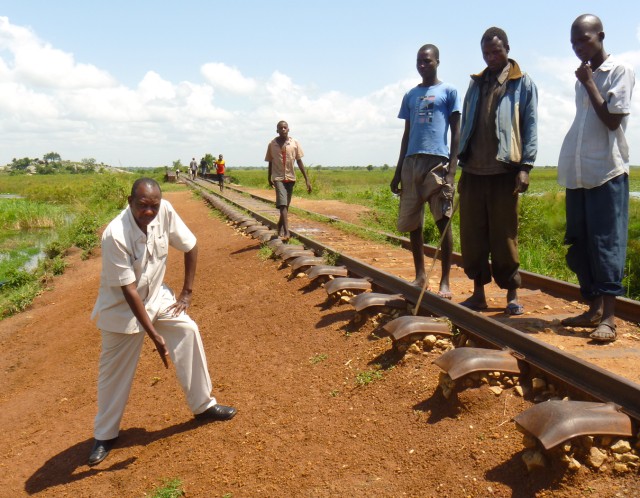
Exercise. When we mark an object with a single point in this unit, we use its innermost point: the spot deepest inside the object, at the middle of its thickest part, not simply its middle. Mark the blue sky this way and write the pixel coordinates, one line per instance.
(143, 83)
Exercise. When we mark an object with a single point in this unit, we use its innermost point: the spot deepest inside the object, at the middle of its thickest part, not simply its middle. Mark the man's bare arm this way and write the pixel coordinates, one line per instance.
(304, 173)
(404, 144)
(184, 299)
(584, 73)
(134, 301)
(454, 125)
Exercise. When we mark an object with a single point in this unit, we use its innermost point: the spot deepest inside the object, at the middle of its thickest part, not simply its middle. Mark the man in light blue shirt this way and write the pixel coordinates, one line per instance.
(426, 167)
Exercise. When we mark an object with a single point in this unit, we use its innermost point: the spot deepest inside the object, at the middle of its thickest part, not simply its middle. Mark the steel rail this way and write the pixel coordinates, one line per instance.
(627, 309)
(584, 376)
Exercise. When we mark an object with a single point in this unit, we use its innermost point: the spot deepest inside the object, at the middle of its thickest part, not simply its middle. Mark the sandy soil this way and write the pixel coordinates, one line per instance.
(289, 362)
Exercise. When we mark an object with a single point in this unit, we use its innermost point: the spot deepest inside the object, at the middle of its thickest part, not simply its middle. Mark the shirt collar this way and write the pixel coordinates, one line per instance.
(607, 64)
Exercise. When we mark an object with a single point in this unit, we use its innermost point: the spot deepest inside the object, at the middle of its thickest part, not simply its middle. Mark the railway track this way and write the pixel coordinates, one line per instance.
(525, 346)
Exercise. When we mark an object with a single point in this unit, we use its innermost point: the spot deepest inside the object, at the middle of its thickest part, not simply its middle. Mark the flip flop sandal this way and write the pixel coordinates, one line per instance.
(604, 333)
(581, 321)
(514, 309)
(445, 295)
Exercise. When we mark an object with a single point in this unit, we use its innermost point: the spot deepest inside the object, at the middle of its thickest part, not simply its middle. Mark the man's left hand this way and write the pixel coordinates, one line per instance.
(182, 303)
(522, 182)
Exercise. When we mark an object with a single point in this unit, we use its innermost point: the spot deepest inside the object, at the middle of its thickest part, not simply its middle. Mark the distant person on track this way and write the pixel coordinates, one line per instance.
(282, 152)
(193, 168)
(133, 299)
(426, 168)
(203, 168)
(594, 168)
(220, 167)
(498, 146)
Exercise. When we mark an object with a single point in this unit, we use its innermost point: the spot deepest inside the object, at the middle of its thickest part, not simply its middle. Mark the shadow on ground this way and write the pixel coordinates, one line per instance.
(71, 464)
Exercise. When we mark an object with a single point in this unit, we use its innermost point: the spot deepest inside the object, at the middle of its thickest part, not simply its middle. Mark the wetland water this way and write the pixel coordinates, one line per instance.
(23, 248)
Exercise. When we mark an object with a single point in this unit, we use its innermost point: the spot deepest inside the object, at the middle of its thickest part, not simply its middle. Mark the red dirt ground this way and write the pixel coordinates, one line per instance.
(288, 361)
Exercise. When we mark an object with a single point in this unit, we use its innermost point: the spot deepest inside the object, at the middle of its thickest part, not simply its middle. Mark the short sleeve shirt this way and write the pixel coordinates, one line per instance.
(220, 166)
(283, 159)
(591, 153)
(428, 110)
(128, 256)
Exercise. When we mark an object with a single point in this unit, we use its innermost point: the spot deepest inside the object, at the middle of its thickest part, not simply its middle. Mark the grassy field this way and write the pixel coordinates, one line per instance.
(542, 213)
(74, 207)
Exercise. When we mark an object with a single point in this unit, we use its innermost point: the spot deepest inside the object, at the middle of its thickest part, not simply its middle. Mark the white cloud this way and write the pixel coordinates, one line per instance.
(39, 64)
(50, 101)
(226, 77)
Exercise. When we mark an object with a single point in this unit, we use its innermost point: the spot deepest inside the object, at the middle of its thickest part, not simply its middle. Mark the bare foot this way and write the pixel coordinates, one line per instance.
(445, 292)
(419, 282)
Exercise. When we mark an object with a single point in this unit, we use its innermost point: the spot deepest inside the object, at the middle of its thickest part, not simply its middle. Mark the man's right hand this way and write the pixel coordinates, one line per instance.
(271, 184)
(395, 185)
(161, 347)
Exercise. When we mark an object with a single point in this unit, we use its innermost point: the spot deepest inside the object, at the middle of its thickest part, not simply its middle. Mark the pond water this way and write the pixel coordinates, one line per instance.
(23, 249)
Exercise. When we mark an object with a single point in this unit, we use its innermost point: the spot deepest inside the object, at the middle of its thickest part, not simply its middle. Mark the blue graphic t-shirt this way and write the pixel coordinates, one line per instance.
(428, 110)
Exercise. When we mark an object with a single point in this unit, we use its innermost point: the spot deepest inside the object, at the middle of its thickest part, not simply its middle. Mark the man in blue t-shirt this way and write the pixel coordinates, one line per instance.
(426, 167)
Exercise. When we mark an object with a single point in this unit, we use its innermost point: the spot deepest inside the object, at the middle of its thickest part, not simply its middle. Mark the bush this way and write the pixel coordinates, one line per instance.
(18, 278)
(54, 249)
(52, 266)
(17, 300)
(84, 231)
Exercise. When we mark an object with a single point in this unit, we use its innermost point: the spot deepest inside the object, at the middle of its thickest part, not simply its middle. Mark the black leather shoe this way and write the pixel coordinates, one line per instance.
(100, 450)
(217, 412)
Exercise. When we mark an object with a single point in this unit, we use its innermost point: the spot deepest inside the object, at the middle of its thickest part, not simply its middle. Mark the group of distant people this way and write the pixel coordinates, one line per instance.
(493, 139)
(219, 164)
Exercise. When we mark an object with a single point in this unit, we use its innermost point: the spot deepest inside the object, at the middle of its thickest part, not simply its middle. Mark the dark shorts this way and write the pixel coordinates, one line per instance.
(218, 177)
(284, 191)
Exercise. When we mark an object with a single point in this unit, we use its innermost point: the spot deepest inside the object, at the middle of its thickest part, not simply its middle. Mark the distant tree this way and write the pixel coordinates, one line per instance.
(370, 167)
(45, 169)
(177, 165)
(20, 164)
(89, 164)
(318, 166)
(51, 156)
(385, 167)
(209, 159)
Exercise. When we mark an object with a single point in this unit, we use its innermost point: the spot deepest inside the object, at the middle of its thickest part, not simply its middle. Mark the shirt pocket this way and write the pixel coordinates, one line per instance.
(142, 281)
(161, 246)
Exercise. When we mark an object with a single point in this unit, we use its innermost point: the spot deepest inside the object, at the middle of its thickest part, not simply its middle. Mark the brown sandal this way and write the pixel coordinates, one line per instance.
(604, 333)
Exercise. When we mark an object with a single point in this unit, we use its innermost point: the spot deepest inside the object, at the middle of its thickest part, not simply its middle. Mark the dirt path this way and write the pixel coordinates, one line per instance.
(283, 357)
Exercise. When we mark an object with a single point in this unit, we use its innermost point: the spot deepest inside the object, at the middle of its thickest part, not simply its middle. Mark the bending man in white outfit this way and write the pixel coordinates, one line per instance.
(133, 299)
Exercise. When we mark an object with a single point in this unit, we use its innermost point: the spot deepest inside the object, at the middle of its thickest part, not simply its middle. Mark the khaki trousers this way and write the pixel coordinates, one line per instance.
(119, 359)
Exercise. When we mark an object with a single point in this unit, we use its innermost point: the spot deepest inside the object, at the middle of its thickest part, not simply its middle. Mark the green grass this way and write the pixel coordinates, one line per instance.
(367, 377)
(21, 214)
(265, 253)
(170, 488)
(318, 358)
